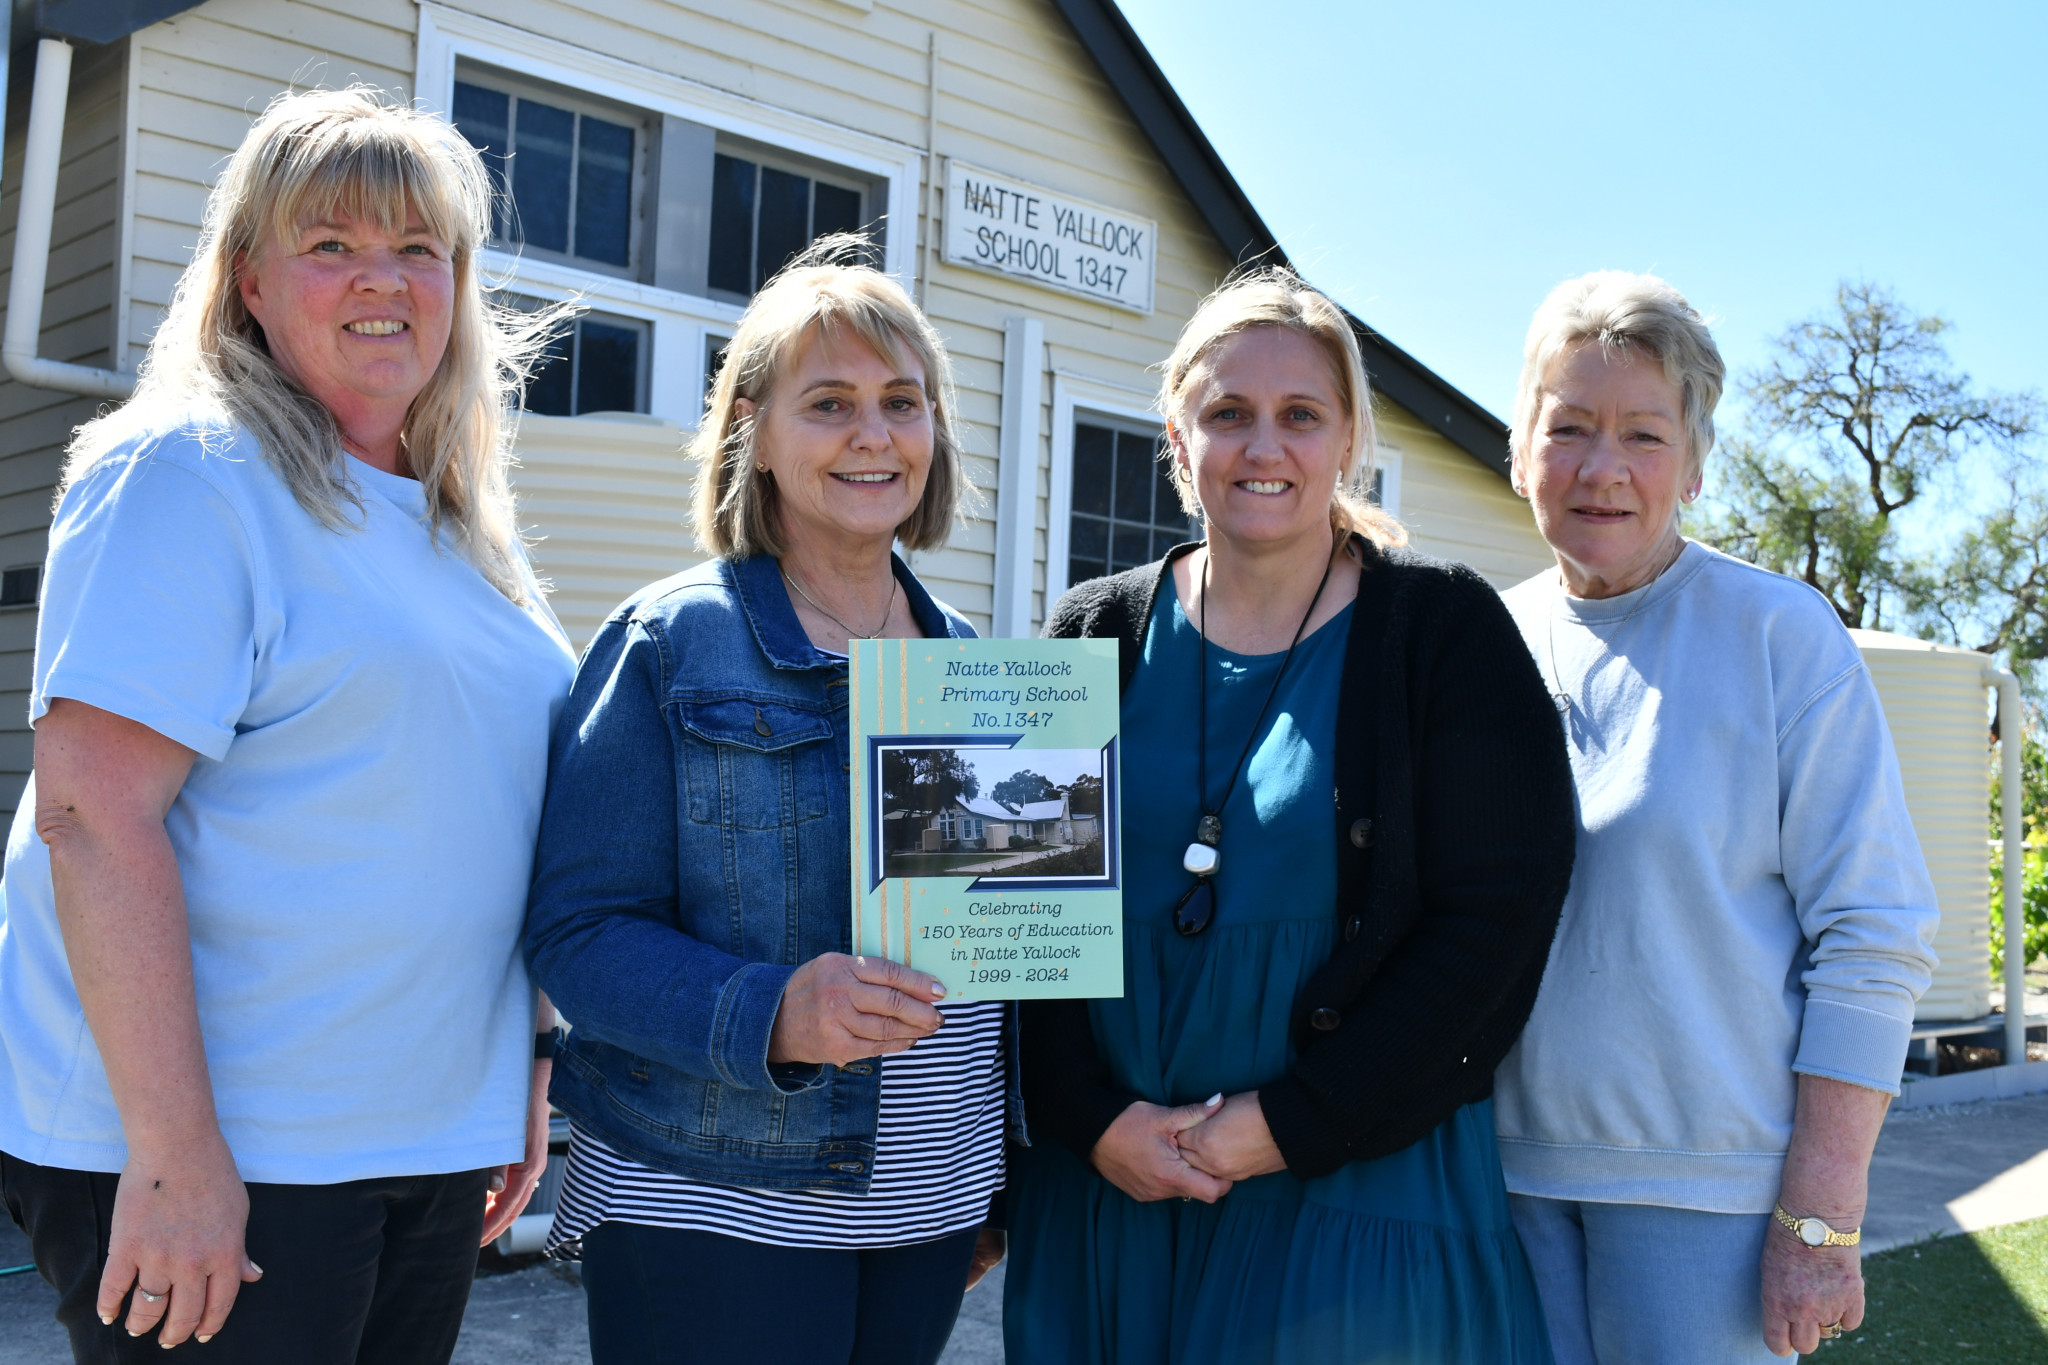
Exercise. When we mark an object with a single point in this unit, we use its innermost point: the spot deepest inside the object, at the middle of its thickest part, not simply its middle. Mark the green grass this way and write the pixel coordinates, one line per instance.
(1976, 1296)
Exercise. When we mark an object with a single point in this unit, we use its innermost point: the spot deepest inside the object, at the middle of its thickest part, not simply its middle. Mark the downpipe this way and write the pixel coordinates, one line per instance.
(2011, 726)
(40, 160)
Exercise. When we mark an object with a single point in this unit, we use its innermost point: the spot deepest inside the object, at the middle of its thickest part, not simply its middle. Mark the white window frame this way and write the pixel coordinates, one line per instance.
(1387, 459)
(517, 86)
(675, 384)
(1075, 396)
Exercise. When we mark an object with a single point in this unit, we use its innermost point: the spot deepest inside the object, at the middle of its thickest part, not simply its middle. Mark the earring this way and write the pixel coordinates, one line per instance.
(760, 468)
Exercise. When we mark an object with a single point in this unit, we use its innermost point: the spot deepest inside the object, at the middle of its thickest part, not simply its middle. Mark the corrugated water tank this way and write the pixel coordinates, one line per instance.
(1939, 710)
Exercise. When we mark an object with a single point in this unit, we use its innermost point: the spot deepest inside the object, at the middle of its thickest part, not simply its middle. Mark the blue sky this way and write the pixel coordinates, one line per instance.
(1438, 167)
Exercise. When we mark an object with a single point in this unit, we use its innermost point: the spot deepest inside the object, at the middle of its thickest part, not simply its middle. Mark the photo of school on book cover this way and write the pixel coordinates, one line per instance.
(985, 815)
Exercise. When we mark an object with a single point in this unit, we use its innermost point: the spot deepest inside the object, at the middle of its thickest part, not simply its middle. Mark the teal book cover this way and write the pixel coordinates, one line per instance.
(986, 845)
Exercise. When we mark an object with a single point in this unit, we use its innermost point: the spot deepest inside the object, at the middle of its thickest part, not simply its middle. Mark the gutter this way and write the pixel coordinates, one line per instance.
(38, 210)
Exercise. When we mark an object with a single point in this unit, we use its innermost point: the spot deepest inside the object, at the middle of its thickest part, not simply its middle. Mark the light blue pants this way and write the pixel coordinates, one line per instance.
(1635, 1284)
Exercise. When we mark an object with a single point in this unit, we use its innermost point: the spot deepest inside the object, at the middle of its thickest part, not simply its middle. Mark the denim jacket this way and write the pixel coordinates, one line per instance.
(693, 853)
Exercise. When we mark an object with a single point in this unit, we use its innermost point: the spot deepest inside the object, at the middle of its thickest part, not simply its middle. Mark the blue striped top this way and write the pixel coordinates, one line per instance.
(938, 1160)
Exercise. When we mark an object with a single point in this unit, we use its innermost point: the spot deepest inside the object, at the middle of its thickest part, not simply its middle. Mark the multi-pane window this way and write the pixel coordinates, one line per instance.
(763, 215)
(598, 365)
(1125, 512)
(953, 826)
(566, 173)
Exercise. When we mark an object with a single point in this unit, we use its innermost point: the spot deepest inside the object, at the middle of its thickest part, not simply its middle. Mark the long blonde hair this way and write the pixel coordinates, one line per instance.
(1274, 296)
(353, 152)
(735, 508)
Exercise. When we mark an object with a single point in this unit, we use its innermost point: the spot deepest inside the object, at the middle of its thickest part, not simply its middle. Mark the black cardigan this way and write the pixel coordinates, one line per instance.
(1455, 831)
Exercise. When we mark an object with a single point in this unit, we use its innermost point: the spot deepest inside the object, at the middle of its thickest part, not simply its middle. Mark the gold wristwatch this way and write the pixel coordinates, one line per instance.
(1814, 1233)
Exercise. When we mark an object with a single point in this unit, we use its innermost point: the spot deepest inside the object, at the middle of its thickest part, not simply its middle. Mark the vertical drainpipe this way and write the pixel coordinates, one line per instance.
(933, 190)
(41, 157)
(2011, 746)
(1017, 475)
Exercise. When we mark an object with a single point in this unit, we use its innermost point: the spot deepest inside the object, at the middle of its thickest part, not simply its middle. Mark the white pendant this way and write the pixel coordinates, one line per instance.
(1201, 859)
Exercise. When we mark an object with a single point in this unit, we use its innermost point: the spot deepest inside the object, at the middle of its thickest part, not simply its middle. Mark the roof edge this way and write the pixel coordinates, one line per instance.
(1193, 161)
(103, 21)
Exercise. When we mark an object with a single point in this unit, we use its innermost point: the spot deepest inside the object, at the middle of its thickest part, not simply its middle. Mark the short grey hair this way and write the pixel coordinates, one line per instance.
(1625, 314)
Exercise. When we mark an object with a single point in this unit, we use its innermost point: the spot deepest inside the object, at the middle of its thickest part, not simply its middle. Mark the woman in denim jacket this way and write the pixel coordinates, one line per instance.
(747, 1178)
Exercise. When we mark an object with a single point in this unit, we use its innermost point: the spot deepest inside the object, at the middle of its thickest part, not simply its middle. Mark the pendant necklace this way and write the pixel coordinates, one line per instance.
(1562, 699)
(850, 631)
(1196, 909)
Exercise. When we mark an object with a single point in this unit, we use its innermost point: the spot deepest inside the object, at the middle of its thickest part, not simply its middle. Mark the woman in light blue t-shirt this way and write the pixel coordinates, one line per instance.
(266, 1041)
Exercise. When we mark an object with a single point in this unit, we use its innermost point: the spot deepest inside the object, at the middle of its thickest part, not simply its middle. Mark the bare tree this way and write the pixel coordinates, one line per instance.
(1857, 428)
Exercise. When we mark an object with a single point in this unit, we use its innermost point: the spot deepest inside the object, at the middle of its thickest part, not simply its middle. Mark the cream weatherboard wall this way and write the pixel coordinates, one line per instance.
(1457, 508)
(154, 117)
(78, 326)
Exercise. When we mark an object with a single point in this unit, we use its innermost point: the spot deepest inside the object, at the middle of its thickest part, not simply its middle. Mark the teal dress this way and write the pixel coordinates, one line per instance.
(1409, 1259)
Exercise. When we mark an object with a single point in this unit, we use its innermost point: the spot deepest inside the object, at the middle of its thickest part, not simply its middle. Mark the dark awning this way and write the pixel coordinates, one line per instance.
(103, 21)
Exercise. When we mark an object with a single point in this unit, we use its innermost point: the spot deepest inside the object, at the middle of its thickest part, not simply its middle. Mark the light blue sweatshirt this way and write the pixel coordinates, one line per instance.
(1749, 901)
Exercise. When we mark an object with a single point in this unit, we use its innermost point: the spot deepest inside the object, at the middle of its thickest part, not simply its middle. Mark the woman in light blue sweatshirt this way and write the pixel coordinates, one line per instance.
(1690, 1113)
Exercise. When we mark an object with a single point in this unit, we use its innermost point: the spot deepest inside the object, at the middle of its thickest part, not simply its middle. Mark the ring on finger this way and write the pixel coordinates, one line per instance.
(148, 1297)
(1830, 1330)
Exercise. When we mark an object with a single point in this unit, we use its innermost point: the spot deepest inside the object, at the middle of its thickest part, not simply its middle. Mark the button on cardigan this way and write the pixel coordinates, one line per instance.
(1454, 830)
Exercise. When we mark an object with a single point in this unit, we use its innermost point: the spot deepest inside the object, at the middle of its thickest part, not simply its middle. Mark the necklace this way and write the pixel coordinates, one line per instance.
(1562, 699)
(874, 634)
(1197, 908)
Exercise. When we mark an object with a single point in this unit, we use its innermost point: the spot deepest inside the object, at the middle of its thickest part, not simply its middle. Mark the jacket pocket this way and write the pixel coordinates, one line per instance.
(756, 763)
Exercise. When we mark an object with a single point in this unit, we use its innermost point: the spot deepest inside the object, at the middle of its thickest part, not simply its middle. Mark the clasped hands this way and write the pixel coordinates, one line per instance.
(1191, 1151)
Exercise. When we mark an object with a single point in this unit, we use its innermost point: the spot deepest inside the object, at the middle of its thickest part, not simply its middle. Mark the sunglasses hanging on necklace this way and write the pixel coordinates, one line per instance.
(1196, 909)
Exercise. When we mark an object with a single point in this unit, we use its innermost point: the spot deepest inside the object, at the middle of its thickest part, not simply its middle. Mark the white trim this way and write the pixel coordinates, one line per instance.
(1017, 474)
(675, 369)
(675, 383)
(446, 34)
(1072, 395)
(1387, 459)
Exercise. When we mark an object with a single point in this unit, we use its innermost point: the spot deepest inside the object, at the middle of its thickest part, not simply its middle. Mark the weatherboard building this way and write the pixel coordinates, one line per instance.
(1029, 172)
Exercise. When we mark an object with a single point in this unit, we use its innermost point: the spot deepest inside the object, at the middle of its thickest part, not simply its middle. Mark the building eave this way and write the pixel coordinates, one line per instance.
(1193, 162)
(103, 21)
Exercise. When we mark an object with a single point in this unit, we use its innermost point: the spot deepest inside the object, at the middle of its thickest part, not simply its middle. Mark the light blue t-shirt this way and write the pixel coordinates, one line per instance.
(371, 720)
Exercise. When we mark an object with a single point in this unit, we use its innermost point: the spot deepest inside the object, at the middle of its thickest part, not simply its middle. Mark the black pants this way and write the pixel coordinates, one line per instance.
(376, 1271)
(667, 1296)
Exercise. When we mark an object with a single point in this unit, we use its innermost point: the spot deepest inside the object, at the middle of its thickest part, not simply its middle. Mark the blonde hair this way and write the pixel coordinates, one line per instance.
(735, 509)
(1274, 296)
(1625, 314)
(352, 152)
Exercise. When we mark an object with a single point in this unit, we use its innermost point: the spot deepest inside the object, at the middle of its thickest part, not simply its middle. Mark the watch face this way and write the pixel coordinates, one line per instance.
(1813, 1232)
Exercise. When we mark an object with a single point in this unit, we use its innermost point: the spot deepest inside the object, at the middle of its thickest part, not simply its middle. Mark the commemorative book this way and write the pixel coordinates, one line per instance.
(985, 831)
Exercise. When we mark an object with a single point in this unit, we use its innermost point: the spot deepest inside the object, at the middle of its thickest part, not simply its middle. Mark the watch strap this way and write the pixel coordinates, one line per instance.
(1797, 1227)
(544, 1046)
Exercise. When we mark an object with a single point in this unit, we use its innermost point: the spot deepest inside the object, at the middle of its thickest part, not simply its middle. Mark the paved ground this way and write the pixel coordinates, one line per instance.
(1937, 1171)
(1958, 1169)
(529, 1317)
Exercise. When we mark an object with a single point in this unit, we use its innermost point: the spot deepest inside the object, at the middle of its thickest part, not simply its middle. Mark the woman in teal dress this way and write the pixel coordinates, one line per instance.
(1348, 832)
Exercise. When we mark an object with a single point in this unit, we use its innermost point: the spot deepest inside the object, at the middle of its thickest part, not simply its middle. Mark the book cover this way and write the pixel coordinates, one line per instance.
(986, 844)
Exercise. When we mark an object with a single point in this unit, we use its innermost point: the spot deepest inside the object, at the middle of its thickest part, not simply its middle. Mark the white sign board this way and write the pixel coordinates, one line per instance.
(1004, 225)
